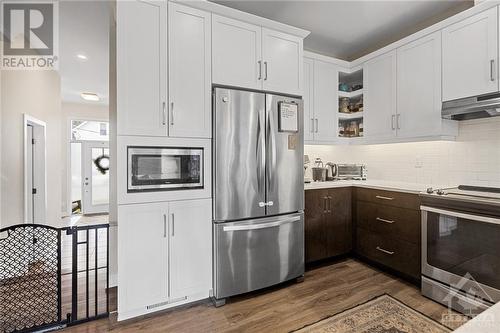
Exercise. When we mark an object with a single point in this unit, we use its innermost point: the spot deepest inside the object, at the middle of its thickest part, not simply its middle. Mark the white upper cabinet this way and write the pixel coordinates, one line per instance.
(308, 99)
(189, 32)
(379, 76)
(470, 56)
(249, 56)
(190, 248)
(236, 53)
(282, 57)
(326, 82)
(142, 257)
(141, 67)
(419, 88)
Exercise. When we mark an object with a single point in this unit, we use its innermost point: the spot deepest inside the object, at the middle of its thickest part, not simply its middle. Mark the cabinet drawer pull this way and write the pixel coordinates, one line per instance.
(385, 251)
(316, 124)
(384, 220)
(260, 70)
(265, 70)
(384, 198)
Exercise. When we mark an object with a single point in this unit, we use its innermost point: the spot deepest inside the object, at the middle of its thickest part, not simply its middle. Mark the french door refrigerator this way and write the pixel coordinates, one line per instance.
(258, 191)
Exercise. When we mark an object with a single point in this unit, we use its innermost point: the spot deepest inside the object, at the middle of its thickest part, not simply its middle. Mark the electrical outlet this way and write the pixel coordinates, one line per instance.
(419, 163)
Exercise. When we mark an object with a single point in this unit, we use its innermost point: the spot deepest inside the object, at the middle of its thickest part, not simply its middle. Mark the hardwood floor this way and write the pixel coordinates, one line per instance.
(325, 291)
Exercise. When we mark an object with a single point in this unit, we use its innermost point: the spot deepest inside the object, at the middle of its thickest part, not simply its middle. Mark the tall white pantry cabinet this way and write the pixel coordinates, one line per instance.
(163, 99)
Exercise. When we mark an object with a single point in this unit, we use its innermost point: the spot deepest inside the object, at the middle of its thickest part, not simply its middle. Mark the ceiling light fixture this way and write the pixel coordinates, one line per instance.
(82, 57)
(90, 97)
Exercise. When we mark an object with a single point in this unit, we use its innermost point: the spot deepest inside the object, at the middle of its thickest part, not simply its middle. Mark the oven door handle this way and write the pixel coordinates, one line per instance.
(478, 218)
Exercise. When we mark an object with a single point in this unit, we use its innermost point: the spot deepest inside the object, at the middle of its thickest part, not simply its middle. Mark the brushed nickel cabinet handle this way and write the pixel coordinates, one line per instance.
(164, 225)
(312, 126)
(384, 198)
(384, 220)
(172, 113)
(324, 204)
(265, 70)
(398, 121)
(330, 204)
(393, 118)
(164, 114)
(492, 69)
(316, 125)
(385, 251)
(173, 225)
(260, 70)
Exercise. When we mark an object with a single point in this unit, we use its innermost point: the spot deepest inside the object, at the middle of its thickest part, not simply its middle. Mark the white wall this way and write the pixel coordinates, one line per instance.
(75, 111)
(473, 159)
(36, 93)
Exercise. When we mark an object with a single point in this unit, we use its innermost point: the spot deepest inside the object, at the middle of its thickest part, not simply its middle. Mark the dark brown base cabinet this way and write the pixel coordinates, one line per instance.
(386, 227)
(328, 223)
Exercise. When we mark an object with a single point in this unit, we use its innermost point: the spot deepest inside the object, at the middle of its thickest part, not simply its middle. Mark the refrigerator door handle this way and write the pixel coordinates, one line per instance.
(260, 153)
(261, 225)
(272, 153)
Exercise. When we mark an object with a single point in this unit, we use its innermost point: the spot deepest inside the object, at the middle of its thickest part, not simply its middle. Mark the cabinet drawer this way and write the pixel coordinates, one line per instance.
(394, 222)
(389, 198)
(397, 254)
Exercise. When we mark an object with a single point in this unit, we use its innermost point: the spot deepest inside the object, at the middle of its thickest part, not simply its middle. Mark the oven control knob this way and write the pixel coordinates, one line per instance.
(440, 192)
(430, 190)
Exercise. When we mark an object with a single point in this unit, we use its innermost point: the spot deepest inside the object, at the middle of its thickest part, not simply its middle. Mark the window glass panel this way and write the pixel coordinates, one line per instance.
(89, 130)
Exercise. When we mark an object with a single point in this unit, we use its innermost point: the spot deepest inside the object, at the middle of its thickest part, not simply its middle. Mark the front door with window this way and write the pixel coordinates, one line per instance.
(95, 177)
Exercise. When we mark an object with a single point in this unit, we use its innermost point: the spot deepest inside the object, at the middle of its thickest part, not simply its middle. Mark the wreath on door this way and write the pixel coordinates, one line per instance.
(102, 163)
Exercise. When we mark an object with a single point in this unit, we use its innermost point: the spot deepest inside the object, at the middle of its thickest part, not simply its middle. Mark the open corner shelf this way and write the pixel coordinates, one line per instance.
(350, 94)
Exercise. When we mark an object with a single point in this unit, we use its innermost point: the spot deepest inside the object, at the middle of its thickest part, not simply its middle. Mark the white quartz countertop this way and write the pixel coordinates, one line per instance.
(374, 184)
(486, 322)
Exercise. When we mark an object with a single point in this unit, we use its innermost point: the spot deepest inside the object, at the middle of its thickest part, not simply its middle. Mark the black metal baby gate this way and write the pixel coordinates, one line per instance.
(52, 277)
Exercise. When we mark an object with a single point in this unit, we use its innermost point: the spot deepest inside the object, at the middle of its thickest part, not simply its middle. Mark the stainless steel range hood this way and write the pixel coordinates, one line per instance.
(483, 106)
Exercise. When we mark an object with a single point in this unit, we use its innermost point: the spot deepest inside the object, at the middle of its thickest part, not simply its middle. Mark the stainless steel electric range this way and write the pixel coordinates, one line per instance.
(461, 247)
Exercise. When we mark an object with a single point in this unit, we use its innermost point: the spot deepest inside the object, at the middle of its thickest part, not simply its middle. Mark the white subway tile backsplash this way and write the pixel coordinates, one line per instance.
(474, 158)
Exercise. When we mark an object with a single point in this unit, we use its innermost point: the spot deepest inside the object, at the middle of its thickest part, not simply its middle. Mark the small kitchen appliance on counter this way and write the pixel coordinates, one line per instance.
(348, 171)
(461, 247)
(319, 171)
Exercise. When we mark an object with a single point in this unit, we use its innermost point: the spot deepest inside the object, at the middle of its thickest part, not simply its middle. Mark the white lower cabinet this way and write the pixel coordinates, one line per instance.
(164, 255)
(190, 247)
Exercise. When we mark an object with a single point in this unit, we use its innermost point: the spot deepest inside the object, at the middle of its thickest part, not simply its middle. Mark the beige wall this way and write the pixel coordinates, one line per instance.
(75, 111)
(36, 93)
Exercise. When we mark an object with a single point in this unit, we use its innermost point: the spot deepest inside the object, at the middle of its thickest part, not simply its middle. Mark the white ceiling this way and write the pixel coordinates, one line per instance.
(84, 29)
(350, 29)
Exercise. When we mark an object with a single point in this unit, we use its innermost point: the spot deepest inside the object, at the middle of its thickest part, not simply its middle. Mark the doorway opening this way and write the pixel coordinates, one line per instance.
(89, 165)
(35, 198)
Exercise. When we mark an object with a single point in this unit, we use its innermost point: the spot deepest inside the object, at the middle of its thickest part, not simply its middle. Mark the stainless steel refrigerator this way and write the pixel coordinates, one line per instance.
(258, 186)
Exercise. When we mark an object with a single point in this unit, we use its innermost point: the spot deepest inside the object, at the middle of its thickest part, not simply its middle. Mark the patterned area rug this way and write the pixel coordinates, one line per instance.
(383, 314)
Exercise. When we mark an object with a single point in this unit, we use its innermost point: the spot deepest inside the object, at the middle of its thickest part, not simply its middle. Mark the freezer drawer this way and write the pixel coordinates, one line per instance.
(255, 254)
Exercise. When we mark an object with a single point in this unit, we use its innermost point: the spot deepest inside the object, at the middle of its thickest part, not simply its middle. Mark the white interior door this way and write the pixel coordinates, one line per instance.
(95, 177)
(35, 203)
(29, 174)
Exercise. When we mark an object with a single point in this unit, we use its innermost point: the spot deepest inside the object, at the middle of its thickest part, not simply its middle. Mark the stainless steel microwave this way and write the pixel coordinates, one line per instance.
(164, 168)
